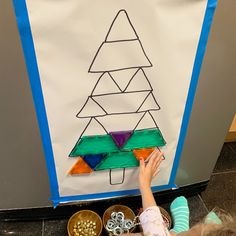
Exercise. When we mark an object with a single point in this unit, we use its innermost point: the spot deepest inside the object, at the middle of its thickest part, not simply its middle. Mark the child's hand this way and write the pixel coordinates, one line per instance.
(149, 170)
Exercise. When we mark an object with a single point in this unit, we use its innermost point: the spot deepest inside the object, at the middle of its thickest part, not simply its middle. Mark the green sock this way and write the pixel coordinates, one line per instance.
(180, 214)
(212, 218)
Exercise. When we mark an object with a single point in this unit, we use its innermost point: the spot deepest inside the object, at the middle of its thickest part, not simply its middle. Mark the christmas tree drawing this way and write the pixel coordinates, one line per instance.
(122, 97)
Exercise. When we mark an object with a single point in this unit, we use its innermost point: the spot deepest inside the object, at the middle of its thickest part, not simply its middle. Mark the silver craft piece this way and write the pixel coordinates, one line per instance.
(111, 224)
(120, 216)
(128, 224)
(118, 225)
(117, 231)
(113, 215)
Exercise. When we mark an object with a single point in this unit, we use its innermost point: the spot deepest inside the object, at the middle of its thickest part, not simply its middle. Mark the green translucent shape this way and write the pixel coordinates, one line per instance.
(99, 144)
(118, 160)
(144, 139)
(89, 145)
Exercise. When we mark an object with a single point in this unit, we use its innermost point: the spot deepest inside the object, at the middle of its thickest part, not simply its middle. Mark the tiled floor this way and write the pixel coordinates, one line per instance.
(221, 192)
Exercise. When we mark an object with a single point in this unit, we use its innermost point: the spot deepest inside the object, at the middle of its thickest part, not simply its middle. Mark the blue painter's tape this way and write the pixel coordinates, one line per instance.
(32, 68)
(210, 9)
(33, 73)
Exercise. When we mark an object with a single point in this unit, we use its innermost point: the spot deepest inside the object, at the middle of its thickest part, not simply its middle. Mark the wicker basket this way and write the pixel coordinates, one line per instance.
(129, 214)
(84, 215)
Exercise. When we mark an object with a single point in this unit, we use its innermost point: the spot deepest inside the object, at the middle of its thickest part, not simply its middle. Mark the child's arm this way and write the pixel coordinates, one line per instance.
(151, 219)
(147, 172)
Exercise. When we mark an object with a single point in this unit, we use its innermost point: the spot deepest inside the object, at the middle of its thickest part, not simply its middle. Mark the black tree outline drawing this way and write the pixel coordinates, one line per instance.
(122, 92)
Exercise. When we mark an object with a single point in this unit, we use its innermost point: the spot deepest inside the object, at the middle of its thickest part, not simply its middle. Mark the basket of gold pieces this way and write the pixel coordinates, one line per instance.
(84, 223)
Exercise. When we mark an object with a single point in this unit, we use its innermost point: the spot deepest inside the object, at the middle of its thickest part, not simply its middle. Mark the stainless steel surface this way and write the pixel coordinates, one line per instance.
(23, 176)
(215, 101)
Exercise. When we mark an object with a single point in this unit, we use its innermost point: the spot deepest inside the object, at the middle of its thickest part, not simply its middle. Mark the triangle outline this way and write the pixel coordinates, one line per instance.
(123, 88)
(135, 117)
(91, 102)
(141, 95)
(99, 68)
(113, 27)
(107, 77)
(134, 78)
(82, 134)
(141, 60)
(153, 99)
(146, 113)
(89, 124)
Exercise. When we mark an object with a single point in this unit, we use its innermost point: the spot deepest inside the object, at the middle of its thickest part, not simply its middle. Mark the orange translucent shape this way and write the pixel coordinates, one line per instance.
(143, 153)
(80, 167)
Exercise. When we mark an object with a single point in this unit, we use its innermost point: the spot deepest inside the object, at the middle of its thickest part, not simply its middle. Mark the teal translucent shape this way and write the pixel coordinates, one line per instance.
(118, 160)
(89, 145)
(144, 139)
(102, 144)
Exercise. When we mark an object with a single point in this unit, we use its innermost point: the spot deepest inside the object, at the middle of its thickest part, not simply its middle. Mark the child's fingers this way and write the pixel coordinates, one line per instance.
(157, 166)
(156, 158)
(142, 164)
(152, 157)
(156, 172)
(158, 161)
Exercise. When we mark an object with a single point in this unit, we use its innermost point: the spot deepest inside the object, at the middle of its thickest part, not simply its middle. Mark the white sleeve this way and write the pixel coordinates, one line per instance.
(153, 223)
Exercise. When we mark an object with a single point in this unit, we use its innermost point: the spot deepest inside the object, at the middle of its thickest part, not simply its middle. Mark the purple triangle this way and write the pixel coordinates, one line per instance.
(121, 137)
